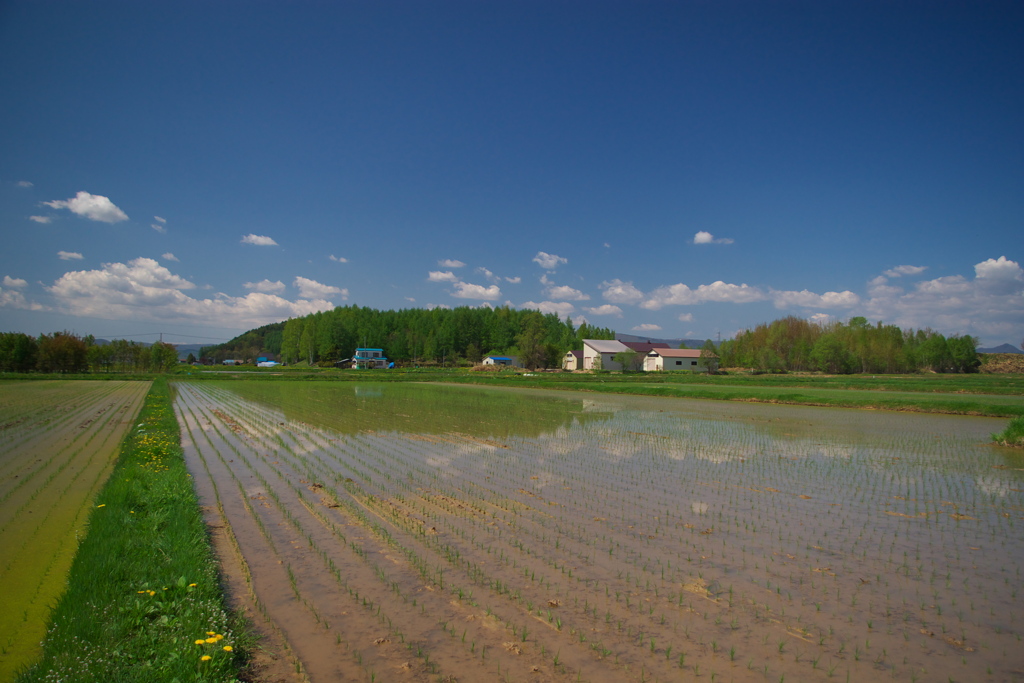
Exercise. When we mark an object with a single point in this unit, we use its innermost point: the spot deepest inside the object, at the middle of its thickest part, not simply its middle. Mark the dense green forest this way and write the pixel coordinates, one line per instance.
(795, 344)
(64, 352)
(415, 335)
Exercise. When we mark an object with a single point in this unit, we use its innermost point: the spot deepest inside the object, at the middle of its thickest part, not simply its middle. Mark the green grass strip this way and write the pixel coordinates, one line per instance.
(144, 602)
(1013, 435)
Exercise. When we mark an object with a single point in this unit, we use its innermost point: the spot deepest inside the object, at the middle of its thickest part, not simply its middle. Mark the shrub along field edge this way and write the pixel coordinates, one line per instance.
(1013, 435)
(144, 601)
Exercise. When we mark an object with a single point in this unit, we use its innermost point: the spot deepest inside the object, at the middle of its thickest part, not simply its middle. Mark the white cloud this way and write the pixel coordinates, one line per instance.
(686, 317)
(265, 286)
(92, 206)
(999, 276)
(487, 274)
(989, 306)
(549, 261)
(450, 263)
(439, 276)
(514, 280)
(704, 237)
(25, 183)
(562, 308)
(259, 240)
(465, 290)
(69, 256)
(144, 290)
(410, 299)
(431, 307)
(647, 327)
(15, 282)
(11, 298)
(159, 228)
(169, 257)
(905, 270)
(566, 293)
(605, 309)
(619, 292)
(41, 219)
(807, 299)
(338, 259)
(159, 220)
(311, 289)
(721, 292)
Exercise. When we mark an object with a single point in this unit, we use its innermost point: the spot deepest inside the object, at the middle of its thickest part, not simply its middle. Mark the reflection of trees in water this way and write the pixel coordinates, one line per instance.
(421, 408)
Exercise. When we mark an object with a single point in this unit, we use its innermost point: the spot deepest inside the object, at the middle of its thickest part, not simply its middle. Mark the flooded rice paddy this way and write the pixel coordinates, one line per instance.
(425, 533)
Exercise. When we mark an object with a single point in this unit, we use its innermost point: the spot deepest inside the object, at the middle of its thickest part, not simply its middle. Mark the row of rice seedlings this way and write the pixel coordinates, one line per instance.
(207, 486)
(298, 636)
(78, 454)
(460, 592)
(438, 578)
(559, 622)
(44, 426)
(285, 509)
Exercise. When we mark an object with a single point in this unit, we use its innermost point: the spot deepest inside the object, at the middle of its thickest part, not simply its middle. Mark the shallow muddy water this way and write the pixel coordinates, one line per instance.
(413, 532)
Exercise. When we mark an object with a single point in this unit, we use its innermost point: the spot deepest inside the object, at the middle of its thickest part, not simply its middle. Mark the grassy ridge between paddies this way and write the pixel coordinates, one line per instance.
(1013, 435)
(144, 602)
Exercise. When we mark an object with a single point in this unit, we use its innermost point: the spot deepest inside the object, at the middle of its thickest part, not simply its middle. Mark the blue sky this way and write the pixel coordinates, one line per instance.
(674, 169)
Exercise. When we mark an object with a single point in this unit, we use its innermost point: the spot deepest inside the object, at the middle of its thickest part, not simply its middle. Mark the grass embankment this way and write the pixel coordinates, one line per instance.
(143, 601)
(1013, 435)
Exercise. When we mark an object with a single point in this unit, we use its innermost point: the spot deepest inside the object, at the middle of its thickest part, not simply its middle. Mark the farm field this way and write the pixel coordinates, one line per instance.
(414, 532)
(58, 441)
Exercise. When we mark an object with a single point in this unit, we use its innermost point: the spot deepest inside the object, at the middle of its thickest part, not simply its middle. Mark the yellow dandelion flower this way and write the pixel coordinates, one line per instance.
(193, 585)
(211, 640)
(205, 658)
(211, 633)
(200, 642)
(219, 637)
(228, 648)
(102, 505)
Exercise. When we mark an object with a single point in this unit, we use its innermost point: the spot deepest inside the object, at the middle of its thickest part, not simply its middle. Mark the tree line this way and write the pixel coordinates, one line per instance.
(414, 336)
(64, 352)
(795, 344)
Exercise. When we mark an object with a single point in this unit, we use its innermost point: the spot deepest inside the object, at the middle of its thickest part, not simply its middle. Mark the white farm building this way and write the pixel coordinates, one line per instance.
(674, 359)
(598, 354)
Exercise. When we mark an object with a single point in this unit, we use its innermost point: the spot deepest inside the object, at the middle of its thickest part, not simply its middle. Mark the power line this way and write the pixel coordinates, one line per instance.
(155, 334)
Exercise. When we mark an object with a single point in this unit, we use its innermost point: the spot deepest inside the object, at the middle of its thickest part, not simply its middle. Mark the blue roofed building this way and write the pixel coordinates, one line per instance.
(369, 359)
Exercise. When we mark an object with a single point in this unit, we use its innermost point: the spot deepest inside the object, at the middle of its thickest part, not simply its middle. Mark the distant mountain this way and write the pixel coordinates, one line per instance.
(1002, 348)
(182, 349)
(674, 343)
